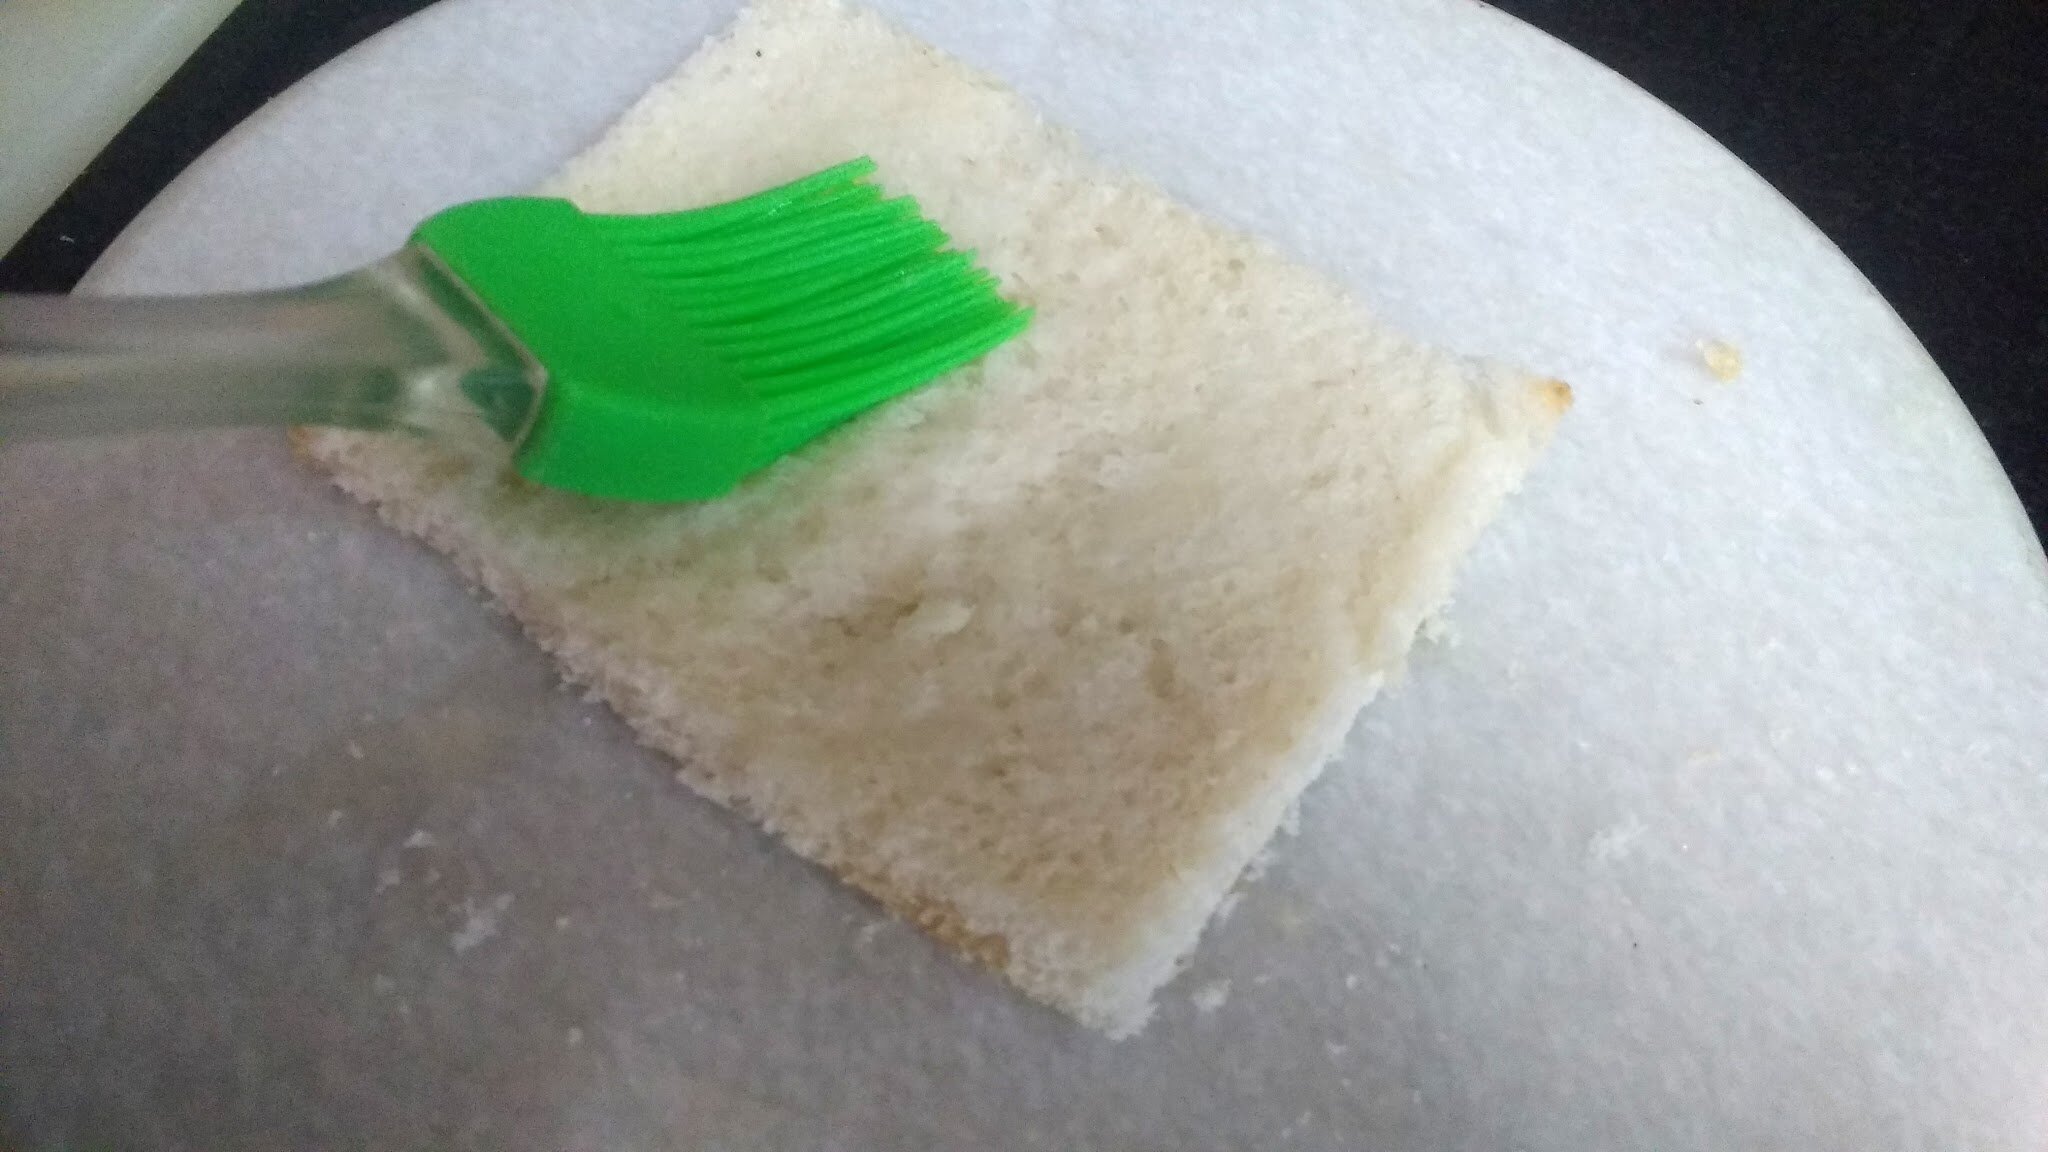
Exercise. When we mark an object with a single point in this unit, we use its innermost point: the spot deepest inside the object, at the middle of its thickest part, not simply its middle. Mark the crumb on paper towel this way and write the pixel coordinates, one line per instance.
(1723, 359)
(1615, 843)
(1211, 996)
(1437, 629)
(479, 922)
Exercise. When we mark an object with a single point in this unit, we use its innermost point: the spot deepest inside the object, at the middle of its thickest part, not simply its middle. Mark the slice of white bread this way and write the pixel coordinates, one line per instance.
(1039, 656)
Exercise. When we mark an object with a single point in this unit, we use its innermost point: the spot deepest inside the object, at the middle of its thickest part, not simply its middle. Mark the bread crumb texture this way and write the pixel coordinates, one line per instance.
(1723, 359)
(1040, 655)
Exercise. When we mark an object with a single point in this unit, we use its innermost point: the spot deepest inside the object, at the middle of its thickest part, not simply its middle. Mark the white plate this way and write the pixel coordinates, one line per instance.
(1724, 825)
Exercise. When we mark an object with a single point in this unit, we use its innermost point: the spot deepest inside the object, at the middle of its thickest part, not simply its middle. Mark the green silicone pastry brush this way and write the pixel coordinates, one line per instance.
(661, 357)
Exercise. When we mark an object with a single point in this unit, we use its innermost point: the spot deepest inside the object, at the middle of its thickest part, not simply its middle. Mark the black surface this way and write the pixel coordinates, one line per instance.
(1914, 133)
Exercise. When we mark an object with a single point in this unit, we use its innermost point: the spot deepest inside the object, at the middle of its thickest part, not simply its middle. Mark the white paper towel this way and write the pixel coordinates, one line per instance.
(1719, 823)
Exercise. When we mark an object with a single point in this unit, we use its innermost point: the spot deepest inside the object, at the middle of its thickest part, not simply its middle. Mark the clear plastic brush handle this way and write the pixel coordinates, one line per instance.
(399, 344)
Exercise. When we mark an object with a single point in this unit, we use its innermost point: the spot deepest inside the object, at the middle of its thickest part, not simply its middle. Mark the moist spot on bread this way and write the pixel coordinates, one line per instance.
(1160, 676)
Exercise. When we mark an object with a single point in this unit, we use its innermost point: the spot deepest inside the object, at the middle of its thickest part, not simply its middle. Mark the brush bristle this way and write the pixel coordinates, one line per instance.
(824, 295)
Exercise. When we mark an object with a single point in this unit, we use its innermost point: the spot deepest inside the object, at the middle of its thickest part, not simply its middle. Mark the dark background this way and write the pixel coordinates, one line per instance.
(1914, 133)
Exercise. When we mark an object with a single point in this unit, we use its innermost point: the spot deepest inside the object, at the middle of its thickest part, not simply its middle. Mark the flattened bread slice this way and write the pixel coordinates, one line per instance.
(1039, 656)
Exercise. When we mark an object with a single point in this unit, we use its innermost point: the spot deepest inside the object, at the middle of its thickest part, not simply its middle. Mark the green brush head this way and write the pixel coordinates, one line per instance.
(684, 351)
